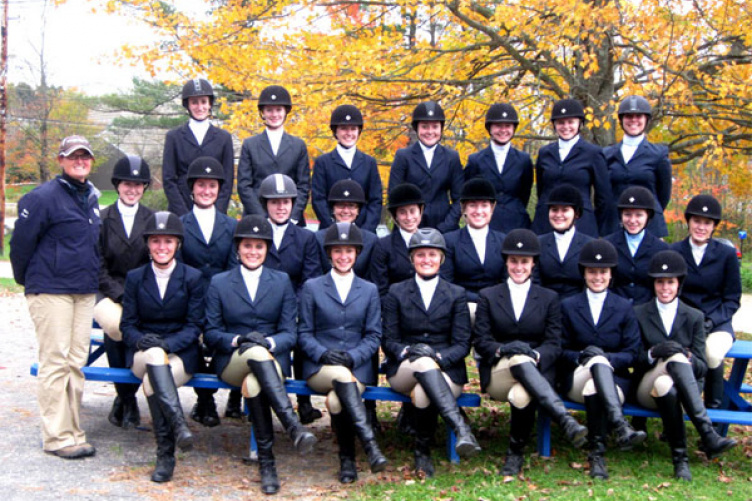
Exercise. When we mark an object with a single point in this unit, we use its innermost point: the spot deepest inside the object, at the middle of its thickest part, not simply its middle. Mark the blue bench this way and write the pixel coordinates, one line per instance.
(736, 410)
(378, 393)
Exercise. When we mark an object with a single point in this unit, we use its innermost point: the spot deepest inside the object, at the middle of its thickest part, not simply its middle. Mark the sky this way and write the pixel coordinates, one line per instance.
(80, 46)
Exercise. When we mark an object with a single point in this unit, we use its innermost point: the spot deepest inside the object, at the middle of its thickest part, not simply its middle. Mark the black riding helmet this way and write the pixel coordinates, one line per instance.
(346, 114)
(704, 206)
(430, 111)
(197, 87)
(635, 105)
(343, 234)
(253, 226)
(501, 113)
(568, 108)
(163, 223)
(275, 95)
(478, 189)
(637, 197)
(404, 194)
(520, 242)
(568, 195)
(131, 168)
(667, 264)
(346, 190)
(205, 168)
(598, 253)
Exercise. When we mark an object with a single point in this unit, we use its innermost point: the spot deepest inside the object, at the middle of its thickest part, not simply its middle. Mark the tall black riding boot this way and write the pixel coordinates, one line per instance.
(676, 434)
(626, 436)
(125, 408)
(352, 403)
(205, 409)
(438, 391)
(537, 386)
(424, 438)
(520, 426)
(714, 388)
(306, 411)
(165, 442)
(274, 390)
(233, 409)
(713, 445)
(597, 424)
(343, 428)
(406, 419)
(167, 396)
(263, 427)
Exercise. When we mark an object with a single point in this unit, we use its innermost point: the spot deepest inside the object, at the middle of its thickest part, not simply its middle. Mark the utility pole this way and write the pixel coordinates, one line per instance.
(3, 117)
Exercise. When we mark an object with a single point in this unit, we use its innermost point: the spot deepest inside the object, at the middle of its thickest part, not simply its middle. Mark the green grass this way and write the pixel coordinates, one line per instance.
(645, 473)
(108, 198)
(9, 286)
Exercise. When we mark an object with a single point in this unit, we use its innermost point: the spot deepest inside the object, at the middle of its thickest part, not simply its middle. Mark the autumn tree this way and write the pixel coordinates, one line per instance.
(690, 59)
(38, 119)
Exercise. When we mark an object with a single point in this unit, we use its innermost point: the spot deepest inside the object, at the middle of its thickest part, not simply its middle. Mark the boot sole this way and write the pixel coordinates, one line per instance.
(306, 444)
(717, 453)
(467, 450)
(637, 438)
(579, 439)
(379, 467)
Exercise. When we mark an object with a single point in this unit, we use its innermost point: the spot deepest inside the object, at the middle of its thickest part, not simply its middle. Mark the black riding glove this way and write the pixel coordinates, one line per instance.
(419, 350)
(151, 340)
(666, 349)
(588, 353)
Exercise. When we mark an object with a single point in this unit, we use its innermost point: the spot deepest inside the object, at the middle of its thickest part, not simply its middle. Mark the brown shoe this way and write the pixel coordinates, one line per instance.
(88, 449)
(72, 452)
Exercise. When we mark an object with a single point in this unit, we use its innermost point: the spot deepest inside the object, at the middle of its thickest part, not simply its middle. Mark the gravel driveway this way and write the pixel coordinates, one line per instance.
(124, 460)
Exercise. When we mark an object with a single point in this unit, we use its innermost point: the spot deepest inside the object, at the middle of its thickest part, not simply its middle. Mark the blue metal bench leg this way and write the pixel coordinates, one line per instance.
(252, 446)
(451, 443)
(544, 434)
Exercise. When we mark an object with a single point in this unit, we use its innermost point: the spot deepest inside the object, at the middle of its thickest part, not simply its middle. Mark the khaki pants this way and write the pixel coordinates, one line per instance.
(323, 382)
(504, 387)
(157, 356)
(238, 373)
(404, 381)
(107, 313)
(63, 327)
(657, 381)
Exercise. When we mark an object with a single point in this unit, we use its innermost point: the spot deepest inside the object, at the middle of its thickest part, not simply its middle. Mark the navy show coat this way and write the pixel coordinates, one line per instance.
(230, 312)
(330, 168)
(180, 149)
(687, 330)
(650, 168)
(563, 277)
(209, 258)
(326, 323)
(298, 255)
(390, 262)
(177, 318)
(120, 253)
(631, 279)
(714, 287)
(438, 184)
(585, 169)
(462, 264)
(617, 334)
(512, 186)
(55, 248)
(539, 326)
(445, 326)
(362, 263)
(258, 161)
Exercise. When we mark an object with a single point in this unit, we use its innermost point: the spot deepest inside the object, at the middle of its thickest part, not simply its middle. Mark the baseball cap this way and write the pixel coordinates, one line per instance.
(74, 143)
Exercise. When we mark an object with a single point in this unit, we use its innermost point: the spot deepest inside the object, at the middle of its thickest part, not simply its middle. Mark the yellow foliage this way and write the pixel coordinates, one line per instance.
(691, 60)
